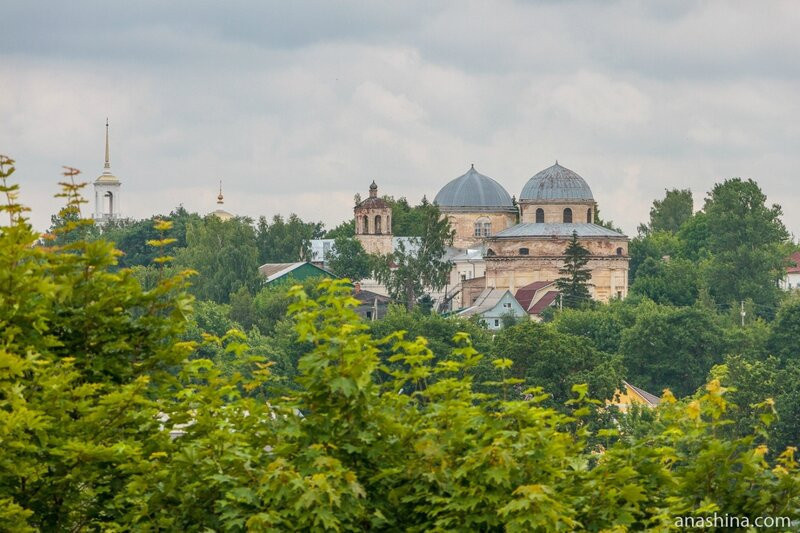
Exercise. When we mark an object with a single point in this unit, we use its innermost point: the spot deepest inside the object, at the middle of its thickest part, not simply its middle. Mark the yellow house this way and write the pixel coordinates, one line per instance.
(632, 395)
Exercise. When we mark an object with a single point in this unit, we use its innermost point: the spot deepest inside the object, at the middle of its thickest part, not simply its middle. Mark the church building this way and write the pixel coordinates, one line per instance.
(502, 244)
(554, 204)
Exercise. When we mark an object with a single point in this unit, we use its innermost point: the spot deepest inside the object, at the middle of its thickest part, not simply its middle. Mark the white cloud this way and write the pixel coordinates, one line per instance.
(297, 108)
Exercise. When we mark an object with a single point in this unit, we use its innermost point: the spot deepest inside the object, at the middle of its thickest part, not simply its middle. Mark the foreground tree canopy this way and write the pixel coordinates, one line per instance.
(110, 421)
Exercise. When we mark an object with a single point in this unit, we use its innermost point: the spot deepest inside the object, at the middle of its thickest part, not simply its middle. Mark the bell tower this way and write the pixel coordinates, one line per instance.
(374, 223)
(106, 191)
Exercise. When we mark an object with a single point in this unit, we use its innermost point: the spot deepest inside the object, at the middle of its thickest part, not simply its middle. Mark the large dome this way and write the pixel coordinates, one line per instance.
(474, 190)
(554, 184)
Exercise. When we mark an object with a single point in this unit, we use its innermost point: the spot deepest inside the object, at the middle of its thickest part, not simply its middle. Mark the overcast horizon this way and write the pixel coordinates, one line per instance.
(298, 106)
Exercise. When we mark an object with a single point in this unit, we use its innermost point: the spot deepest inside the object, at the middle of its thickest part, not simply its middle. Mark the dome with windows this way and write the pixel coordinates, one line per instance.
(474, 192)
(556, 184)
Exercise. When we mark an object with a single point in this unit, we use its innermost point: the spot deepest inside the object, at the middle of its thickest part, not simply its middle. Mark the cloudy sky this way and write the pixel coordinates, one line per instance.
(297, 106)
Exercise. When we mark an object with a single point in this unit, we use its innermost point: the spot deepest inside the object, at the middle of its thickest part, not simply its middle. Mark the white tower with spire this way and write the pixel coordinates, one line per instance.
(106, 191)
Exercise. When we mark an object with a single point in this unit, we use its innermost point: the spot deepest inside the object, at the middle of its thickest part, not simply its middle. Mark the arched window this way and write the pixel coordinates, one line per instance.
(568, 216)
(388, 224)
(365, 225)
(483, 227)
(490, 253)
(540, 216)
(589, 216)
(110, 204)
(377, 224)
(523, 251)
(619, 251)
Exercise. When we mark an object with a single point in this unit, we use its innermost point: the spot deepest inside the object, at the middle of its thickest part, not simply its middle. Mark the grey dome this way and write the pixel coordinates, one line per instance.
(474, 190)
(556, 183)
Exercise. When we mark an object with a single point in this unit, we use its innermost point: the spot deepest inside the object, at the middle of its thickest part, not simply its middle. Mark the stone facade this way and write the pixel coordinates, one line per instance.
(507, 267)
(464, 224)
(582, 212)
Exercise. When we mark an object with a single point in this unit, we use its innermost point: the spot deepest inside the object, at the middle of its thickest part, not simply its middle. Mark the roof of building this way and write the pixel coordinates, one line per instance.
(222, 214)
(543, 303)
(486, 301)
(107, 177)
(476, 191)
(274, 271)
(526, 294)
(373, 201)
(794, 267)
(538, 229)
(556, 183)
(651, 399)
(369, 297)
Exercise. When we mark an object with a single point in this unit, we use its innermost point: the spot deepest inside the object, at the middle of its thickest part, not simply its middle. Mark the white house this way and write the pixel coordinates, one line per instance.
(494, 304)
(791, 281)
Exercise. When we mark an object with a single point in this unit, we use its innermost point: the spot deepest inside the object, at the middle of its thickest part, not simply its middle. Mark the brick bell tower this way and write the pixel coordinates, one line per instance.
(373, 217)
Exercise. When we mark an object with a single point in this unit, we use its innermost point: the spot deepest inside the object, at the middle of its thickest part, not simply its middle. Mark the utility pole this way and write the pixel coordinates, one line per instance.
(742, 313)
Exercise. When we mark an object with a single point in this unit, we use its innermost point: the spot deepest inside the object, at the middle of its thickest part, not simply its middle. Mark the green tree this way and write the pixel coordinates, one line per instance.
(345, 229)
(747, 243)
(656, 245)
(784, 340)
(670, 213)
(669, 282)
(751, 381)
(224, 254)
(408, 221)
(694, 237)
(418, 265)
(603, 326)
(573, 284)
(348, 259)
(671, 348)
(285, 240)
(85, 354)
(544, 357)
(241, 309)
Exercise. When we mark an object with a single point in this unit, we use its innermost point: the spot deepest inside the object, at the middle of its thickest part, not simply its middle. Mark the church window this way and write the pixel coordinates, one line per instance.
(377, 224)
(540, 216)
(490, 252)
(589, 216)
(388, 224)
(524, 251)
(365, 224)
(568, 216)
(619, 251)
(483, 227)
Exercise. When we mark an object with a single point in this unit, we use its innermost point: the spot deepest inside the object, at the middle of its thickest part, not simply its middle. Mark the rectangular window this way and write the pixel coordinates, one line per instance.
(487, 229)
(477, 229)
(507, 305)
(496, 322)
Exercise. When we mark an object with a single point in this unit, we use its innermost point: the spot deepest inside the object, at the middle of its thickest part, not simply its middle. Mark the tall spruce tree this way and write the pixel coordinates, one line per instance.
(574, 274)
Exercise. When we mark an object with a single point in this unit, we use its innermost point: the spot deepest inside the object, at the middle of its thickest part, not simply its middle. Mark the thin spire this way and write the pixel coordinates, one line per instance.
(219, 197)
(108, 159)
